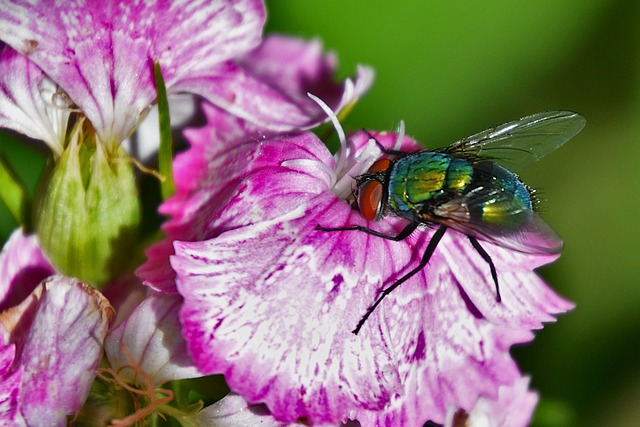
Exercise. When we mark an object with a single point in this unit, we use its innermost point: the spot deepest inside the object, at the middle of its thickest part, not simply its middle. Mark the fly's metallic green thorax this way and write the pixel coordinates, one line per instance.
(426, 177)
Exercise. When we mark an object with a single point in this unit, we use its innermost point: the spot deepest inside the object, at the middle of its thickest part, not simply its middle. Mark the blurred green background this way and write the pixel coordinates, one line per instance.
(449, 70)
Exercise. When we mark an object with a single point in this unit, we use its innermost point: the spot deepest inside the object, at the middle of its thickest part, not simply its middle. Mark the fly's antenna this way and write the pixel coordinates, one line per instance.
(395, 151)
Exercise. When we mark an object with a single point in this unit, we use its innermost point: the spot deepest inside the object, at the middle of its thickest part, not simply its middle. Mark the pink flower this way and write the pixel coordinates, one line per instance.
(150, 337)
(270, 301)
(234, 411)
(51, 341)
(23, 266)
(100, 54)
(79, 76)
(97, 57)
(54, 337)
(290, 66)
(142, 353)
(88, 66)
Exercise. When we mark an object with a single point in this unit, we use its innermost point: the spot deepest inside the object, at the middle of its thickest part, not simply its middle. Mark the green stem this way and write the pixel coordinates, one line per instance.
(185, 419)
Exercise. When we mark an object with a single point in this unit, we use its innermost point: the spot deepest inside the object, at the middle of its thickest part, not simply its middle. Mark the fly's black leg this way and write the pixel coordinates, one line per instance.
(437, 236)
(410, 228)
(485, 256)
(384, 149)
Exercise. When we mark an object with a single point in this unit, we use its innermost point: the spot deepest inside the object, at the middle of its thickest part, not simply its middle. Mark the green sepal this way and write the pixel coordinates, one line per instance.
(88, 212)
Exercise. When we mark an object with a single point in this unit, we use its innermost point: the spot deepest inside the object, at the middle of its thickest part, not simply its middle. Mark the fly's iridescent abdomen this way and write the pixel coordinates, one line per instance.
(497, 198)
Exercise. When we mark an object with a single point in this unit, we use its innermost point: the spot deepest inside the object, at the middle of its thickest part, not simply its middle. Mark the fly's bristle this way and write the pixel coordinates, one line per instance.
(536, 199)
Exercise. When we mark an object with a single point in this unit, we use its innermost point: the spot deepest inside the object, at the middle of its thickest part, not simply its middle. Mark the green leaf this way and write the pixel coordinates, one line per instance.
(165, 155)
(13, 193)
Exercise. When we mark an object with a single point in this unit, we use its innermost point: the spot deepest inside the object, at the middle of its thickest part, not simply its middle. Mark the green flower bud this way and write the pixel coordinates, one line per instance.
(87, 211)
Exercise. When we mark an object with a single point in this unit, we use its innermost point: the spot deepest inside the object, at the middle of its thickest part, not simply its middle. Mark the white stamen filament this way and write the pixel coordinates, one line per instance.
(343, 187)
(343, 151)
(313, 164)
(347, 166)
(400, 138)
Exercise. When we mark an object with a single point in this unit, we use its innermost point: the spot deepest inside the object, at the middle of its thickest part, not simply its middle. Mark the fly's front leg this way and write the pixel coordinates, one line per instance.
(433, 244)
(410, 228)
(385, 150)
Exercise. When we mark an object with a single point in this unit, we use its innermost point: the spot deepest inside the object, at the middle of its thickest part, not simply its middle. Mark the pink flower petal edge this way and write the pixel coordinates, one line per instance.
(23, 265)
(514, 407)
(268, 86)
(28, 101)
(10, 382)
(234, 411)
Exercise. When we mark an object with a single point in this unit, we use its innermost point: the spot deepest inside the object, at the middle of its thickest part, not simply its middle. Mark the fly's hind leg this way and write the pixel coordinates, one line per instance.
(485, 256)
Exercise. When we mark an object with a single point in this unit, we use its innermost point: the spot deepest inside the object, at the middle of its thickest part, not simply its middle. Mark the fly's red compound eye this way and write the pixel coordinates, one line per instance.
(380, 165)
(370, 199)
(370, 193)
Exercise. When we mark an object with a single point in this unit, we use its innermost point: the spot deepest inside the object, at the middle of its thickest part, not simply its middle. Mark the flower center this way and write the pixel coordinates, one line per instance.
(146, 398)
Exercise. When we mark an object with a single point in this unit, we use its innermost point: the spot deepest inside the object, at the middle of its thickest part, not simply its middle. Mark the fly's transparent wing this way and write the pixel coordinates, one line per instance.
(534, 236)
(519, 228)
(521, 142)
(497, 209)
